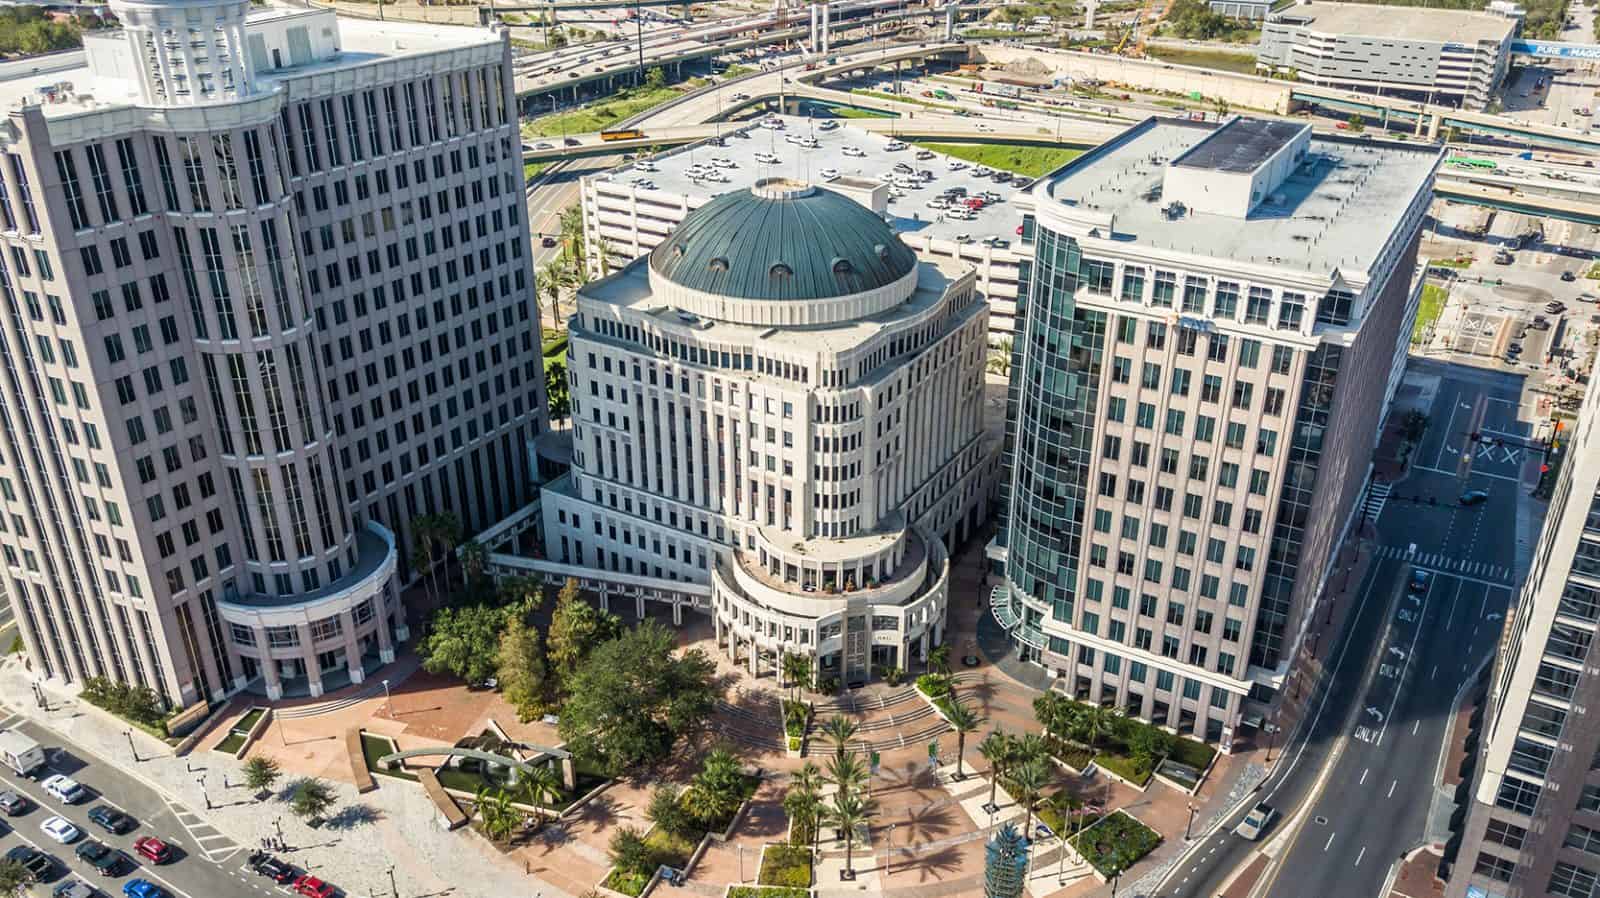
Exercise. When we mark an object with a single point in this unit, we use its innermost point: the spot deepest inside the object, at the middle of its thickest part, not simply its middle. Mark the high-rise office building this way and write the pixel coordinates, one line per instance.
(1533, 827)
(1216, 319)
(782, 402)
(268, 297)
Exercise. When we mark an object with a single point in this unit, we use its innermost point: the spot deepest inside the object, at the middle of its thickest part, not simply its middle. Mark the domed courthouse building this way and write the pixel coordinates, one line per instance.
(783, 402)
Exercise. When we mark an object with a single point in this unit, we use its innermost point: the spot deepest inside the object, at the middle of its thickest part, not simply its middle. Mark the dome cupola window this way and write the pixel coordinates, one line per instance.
(780, 271)
(718, 264)
(842, 267)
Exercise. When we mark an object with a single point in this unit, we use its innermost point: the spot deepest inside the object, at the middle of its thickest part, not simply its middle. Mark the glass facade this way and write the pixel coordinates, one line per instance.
(1294, 502)
(1052, 406)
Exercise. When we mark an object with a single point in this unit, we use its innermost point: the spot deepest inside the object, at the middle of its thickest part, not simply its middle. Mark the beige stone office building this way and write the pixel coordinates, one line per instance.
(268, 297)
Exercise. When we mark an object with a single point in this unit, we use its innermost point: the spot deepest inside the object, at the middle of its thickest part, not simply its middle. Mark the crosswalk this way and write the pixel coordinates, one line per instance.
(1377, 497)
(1437, 561)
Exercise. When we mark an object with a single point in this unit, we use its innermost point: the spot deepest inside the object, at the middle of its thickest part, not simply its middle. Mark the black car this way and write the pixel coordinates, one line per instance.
(1568, 276)
(13, 804)
(38, 864)
(1474, 497)
(74, 888)
(105, 860)
(272, 868)
(1419, 580)
(111, 820)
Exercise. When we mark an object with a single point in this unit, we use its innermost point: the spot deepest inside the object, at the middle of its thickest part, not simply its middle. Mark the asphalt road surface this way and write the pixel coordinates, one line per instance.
(1354, 786)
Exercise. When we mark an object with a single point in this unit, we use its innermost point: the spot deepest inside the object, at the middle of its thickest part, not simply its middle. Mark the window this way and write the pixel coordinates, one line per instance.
(1518, 795)
(1211, 388)
(1493, 867)
(1291, 311)
(1258, 305)
(1502, 833)
(1572, 881)
(1568, 642)
(1166, 286)
(1133, 284)
(1583, 839)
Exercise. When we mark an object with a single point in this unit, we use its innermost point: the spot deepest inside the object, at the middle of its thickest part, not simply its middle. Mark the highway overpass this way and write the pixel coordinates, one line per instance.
(1431, 121)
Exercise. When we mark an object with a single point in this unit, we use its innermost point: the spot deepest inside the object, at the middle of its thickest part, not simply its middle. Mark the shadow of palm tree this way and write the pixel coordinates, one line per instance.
(601, 812)
(930, 866)
(352, 816)
(929, 822)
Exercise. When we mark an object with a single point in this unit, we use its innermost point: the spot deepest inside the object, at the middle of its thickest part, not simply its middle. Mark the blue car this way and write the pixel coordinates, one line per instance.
(142, 888)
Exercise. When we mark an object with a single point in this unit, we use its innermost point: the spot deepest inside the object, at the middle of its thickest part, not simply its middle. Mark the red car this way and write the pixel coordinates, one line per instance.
(153, 849)
(974, 203)
(312, 887)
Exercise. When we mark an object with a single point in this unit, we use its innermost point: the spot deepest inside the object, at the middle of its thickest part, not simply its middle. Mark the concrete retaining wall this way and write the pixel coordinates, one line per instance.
(1145, 74)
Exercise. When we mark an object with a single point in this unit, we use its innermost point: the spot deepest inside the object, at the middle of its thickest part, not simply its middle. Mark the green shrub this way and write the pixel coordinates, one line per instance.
(1115, 843)
(767, 892)
(934, 685)
(139, 704)
(1123, 766)
(786, 865)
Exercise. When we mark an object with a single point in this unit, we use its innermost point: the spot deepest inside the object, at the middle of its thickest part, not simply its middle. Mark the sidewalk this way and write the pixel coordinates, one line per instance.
(392, 827)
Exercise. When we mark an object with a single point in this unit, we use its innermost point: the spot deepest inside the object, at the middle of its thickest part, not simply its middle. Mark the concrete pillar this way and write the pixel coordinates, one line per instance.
(385, 641)
(677, 612)
(352, 646)
(569, 776)
(605, 600)
(269, 667)
(755, 659)
(308, 653)
(638, 607)
(923, 646)
(733, 647)
(391, 599)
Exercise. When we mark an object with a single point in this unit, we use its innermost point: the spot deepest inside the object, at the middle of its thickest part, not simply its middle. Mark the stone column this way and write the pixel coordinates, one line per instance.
(605, 600)
(352, 646)
(677, 612)
(269, 667)
(923, 645)
(638, 607)
(391, 597)
(308, 653)
(755, 659)
(569, 775)
(385, 640)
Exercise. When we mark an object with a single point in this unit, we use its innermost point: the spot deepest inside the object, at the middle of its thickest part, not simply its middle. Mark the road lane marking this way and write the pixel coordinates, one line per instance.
(1364, 777)
(1450, 621)
(1362, 854)
(1417, 723)
(1329, 842)
(1392, 784)
(1394, 700)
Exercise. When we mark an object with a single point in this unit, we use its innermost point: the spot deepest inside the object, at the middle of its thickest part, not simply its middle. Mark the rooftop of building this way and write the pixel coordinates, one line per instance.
(1241, 145)
(630, 289)
(1335, 212)
(783, 240)
(908, 214)
(1450, 26)
(62, 91)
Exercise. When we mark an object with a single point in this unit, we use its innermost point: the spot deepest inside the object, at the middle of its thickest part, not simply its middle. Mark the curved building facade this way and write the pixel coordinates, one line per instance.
(271, 301)
(781, 401)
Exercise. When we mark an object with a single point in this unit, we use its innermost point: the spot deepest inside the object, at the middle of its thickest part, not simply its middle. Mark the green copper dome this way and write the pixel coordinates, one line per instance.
(782, 240)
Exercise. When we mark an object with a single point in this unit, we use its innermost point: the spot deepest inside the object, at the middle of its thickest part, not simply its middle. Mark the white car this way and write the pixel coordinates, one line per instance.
(894, 146)
(853, 151)
(829, 174)
(61, 830)
(827, 124)
(957, 165)
(65, 788)
(1255, 822)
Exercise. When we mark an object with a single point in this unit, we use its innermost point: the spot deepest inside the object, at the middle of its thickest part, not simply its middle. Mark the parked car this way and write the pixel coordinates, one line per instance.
(272, 868)
(110, 819)
(312, 887)
(1568, 276)
(105, 860)
(39, 865)
(74, 888)
(1255, 822)
(142, 888)
(153, 849)
(65, 788)
(61, 830)
(1474, 497)
(13, 803)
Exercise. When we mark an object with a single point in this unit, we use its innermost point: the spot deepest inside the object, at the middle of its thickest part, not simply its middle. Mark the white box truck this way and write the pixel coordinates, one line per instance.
(20, 753)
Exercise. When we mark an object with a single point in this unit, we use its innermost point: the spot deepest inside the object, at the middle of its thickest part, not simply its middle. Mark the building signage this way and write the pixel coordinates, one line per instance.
(1556, 49)
(1196, 324)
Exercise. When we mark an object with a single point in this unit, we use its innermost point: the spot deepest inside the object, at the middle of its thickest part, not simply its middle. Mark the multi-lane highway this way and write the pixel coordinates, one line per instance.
(1355, 786)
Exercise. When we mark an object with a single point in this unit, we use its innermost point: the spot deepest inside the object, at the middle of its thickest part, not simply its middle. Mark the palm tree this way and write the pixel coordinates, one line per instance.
(542, 784)
(804, 808)
(848, 812)
(552, 279)
(422, 529)
(473, 557)
(797, 670)
(1067, 804)
(498, 817)
(964, 720)
(840, 730)
(1055, 712)
(1097, 721)
(847, 772)
(1031, 747)
(939, 660)
(808, 778)
(1030, 779)
(996, 749)
(447, 530)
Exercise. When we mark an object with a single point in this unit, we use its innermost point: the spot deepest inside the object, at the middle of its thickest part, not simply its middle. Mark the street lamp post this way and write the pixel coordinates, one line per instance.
(206, 795)
(1186, 826)
(888, 853)
(741, 862)
(1116, 877)
(392, 887)
(387, 703)
(1272, 732)
(131, 749)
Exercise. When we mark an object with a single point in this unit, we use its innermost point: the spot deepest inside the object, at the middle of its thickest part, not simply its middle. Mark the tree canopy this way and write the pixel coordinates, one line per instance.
(520, 667)
(575, 629)
(631, 698)
(464, 641)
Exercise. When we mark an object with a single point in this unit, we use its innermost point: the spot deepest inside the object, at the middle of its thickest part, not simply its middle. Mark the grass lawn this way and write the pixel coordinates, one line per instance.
(1594, 272)
(531, 170)
(1123, 766)
(627, 883)
(786, 865)
(1029, 161)
(1428, 310)
(374, 747)
(668, 849)
(603, 114)
(853, 112)
(767, 892)
(1115, 843)
(1192, 753)
(1460, 262)
(1242, 63)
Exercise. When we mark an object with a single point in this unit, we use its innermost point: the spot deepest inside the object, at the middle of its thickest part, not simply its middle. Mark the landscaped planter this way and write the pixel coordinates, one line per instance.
(1121, 835)
(1126, 781)
(794, 743)
(245, 733)
(758, 891)
(761, 865)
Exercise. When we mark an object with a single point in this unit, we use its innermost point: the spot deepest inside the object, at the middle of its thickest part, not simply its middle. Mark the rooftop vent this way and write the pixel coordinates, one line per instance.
(718, 264)
(780, 270)
(842, 267)
(1174, 211)
(882, 251)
